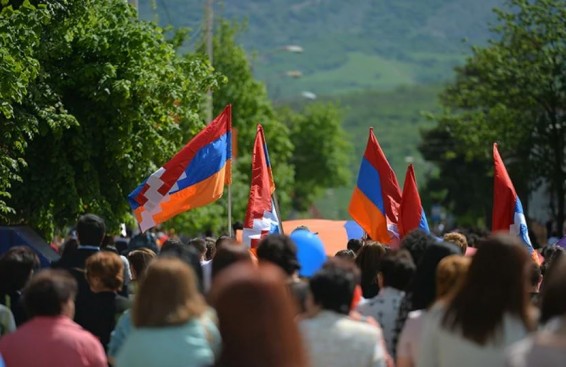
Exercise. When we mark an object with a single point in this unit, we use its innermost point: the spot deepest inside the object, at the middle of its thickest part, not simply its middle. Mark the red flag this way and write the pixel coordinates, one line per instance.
(261, 216)
(507, 214)
(411, 213)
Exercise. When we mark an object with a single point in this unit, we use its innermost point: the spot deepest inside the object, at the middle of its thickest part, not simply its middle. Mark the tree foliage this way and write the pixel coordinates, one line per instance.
(514, 92)
(100, 100)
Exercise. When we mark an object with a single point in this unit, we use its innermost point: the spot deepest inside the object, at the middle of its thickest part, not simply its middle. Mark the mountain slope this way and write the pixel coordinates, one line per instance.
(348, 45)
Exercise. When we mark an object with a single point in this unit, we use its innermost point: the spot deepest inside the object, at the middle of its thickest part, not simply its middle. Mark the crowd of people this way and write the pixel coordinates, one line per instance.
(213, 302)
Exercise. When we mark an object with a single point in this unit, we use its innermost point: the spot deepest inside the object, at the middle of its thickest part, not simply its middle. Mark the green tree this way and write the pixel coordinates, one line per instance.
(110, 102)
(514, 92)
(321, 157)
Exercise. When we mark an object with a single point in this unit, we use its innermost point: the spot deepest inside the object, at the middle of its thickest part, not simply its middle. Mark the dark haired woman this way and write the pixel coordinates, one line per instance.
(490, 312)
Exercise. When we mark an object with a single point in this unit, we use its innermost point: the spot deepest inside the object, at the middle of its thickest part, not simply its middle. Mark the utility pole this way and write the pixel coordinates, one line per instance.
(209, 23)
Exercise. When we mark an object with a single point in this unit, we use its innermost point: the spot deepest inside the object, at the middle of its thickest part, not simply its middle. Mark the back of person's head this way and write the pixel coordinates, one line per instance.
(424, 285)
(450, 275)
(105, 271)
(90, 230)
(354, 245)
(170, 243)
(396, 271)
(368, 260)
(256, 318)
(228, 255)
(458, 239)
(199, 244)
(281, 251)
(496, 285)
(553, 294)
(69, 247)
(332, 287)
(346, 255)
(225, 240)
(210, 248)
(47, 293)
(416, 242)
(167, 295)
(143, 240)
(299, 291)
(16, 267)
(190, 256)
(139, 261)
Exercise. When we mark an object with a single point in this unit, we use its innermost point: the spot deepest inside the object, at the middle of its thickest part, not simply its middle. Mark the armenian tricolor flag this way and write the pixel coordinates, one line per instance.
(376, 198)
(411, 212)
(194, 177)
(261, 215)
(507, 214)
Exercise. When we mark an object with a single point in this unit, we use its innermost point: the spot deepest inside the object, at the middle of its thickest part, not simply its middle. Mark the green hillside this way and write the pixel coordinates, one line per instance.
(348, 45)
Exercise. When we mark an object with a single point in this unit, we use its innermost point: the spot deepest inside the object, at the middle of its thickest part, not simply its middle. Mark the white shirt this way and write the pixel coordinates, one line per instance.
(206, 274)
(409, 340)
(334, 340)
(384, 308)
(443, 348)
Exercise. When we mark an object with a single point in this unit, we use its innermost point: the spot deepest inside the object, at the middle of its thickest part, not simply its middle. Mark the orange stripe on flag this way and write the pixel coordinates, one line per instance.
(369, 217)
(194, 196)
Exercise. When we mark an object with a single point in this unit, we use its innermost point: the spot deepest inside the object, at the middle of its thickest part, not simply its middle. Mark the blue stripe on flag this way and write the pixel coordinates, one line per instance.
(370, 184)
(423, 225)
(207, 162)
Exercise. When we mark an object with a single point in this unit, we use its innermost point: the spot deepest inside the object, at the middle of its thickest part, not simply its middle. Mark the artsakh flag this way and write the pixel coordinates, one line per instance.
(376, 197)
(507, 214)
(411, 212)
(194, 177)
(261, 215)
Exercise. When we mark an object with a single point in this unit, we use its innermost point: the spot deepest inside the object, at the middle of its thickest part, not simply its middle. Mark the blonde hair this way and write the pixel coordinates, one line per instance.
(108, 267)
(167, 295)
(458, 239)
(450, 274)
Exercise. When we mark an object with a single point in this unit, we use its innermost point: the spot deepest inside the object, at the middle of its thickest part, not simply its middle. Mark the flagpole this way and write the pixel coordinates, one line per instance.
(276, 205)
(230, 210)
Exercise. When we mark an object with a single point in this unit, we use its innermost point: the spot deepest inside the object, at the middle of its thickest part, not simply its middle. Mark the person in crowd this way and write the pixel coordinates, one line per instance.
(422, 291)
(200, 246)
(190, 256)
(535, 280)
(147, 239)
(394, 275)
(68, 248)
(346, 254)
(7, 322)
(17, 266)
(450, 276)
(104, 273)
(210, 248)
(228, 255)
(368, 259)
(172, 249)
(546, 348)
(281, 251)
(109, 245)
(424, 285)
(170, 329)
(457, 239)
(332, 338)
(256, 318)
(90, 233)
(354, 245)
(225, 240)
(139, 261)
(490, 312)
(51, 338)
(415, 243)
